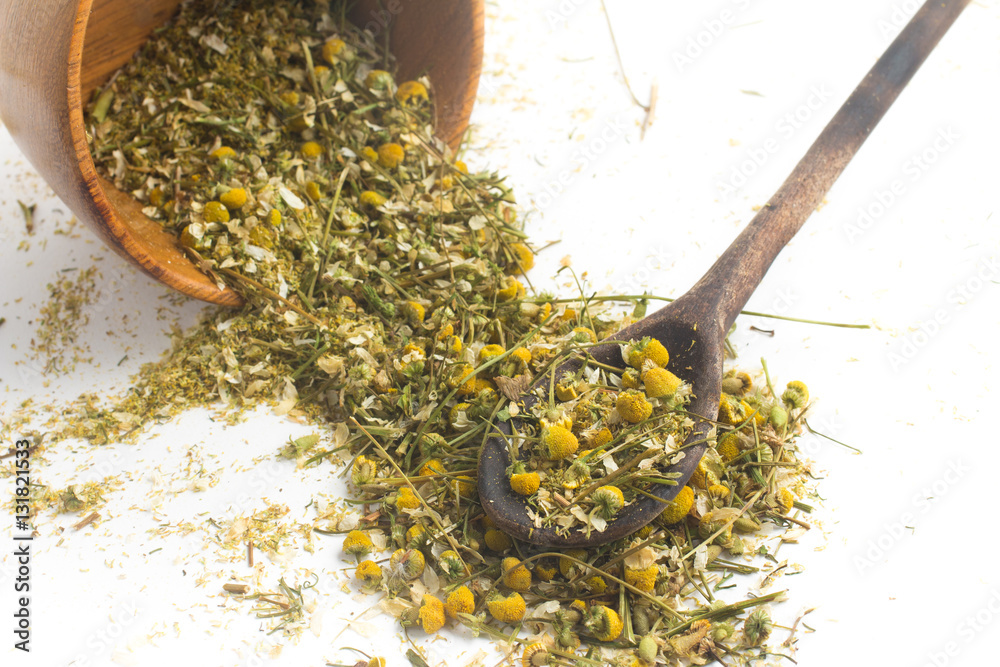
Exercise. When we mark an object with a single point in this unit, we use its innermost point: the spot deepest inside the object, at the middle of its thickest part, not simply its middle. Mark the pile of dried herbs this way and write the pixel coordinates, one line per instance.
(384, 296)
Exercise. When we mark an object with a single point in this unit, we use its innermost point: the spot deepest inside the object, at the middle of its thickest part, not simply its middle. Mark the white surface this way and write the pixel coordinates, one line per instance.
(635, 215)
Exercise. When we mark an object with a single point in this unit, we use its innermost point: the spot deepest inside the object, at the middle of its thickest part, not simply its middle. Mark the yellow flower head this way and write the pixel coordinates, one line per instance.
(432, 467)
(596, 584)
(647, 348)
(522, 355)
(604, 623)
(459, 601)
(416, 536)
(660, 382)
(406, 499)
(289, 97)
(464, 485)
(608, 500)
(369, 572)
(545, 570)
(497, 540)
(234, 199)
(786, 500)
(524, 259)
(489, 352)
(364, 470)
(644, 579)
(737, 384)
(601, 438)
(431, 614)
(215, 212)
(729, 447)
(515, 575)
(378, 79)
(507, 610)
(512, 288)
(357, 544)
(311, 150)
(313, 190)
(702, 477)
(223, 153)
(583, 335)
(369, 154)
(679, 507)
(525, 483)
(414, 311)
(391, 155)
(796, 394)
(408, 562)
(535, 654)
(274, 217)
(718, 491)
(411, 93)
(332, 49)
(372, 199)
(459, 165)
(558, 442)
(633, 406)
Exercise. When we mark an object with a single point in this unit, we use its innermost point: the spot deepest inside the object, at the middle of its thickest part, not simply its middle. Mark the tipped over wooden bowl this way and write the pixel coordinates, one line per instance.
(55, 53)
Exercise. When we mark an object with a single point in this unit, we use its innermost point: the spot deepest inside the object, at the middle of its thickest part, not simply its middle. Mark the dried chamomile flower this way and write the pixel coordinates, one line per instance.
(558, 442)
(391, 155)
(535, 654)
(644, 579)
(311, 150)
(603, 623)
(497, 540)
(234, 199)
(459, 601)
(215, 212)
(379, 79)
(414, 312)
(364, 470)
(407, 563)
(411, 93)
(608, 500)
(633, 406)
(757, 627)
(451, 564)
(515, 575)
(737, 383)
(508, 609)
(729, 447)
(796, 395)
(431, 614)
(659, 382)
(406, 499)
(525, 483)
(524, 259)
(371, 199)
(679, 507)
(223, 153)
(331, 49)
(637, 353)
(358, 544)
(369, 572)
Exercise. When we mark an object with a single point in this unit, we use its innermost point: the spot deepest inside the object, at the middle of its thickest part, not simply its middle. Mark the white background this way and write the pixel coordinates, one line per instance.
(901, 569)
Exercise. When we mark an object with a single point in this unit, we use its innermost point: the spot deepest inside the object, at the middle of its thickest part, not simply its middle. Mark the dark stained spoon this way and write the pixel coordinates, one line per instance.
(693, 328)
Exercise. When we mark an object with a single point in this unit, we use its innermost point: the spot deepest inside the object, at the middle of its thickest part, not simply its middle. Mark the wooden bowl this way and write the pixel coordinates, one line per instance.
(54, 53)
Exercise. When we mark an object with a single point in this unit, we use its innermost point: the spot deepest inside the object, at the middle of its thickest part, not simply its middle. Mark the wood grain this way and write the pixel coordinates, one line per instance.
(54, 53)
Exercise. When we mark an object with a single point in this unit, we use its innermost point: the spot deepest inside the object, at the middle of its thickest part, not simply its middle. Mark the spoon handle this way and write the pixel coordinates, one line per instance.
(723, 291)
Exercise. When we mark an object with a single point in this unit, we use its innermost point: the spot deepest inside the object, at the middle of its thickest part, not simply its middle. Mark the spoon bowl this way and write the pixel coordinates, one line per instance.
(55, 53)
(693, 328)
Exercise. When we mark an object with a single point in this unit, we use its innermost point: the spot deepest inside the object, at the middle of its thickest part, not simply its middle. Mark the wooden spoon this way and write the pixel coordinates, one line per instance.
(693, 328)
(55, 53)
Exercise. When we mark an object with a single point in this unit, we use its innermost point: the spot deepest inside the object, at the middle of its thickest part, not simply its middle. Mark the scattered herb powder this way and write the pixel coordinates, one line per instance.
(386, 300)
